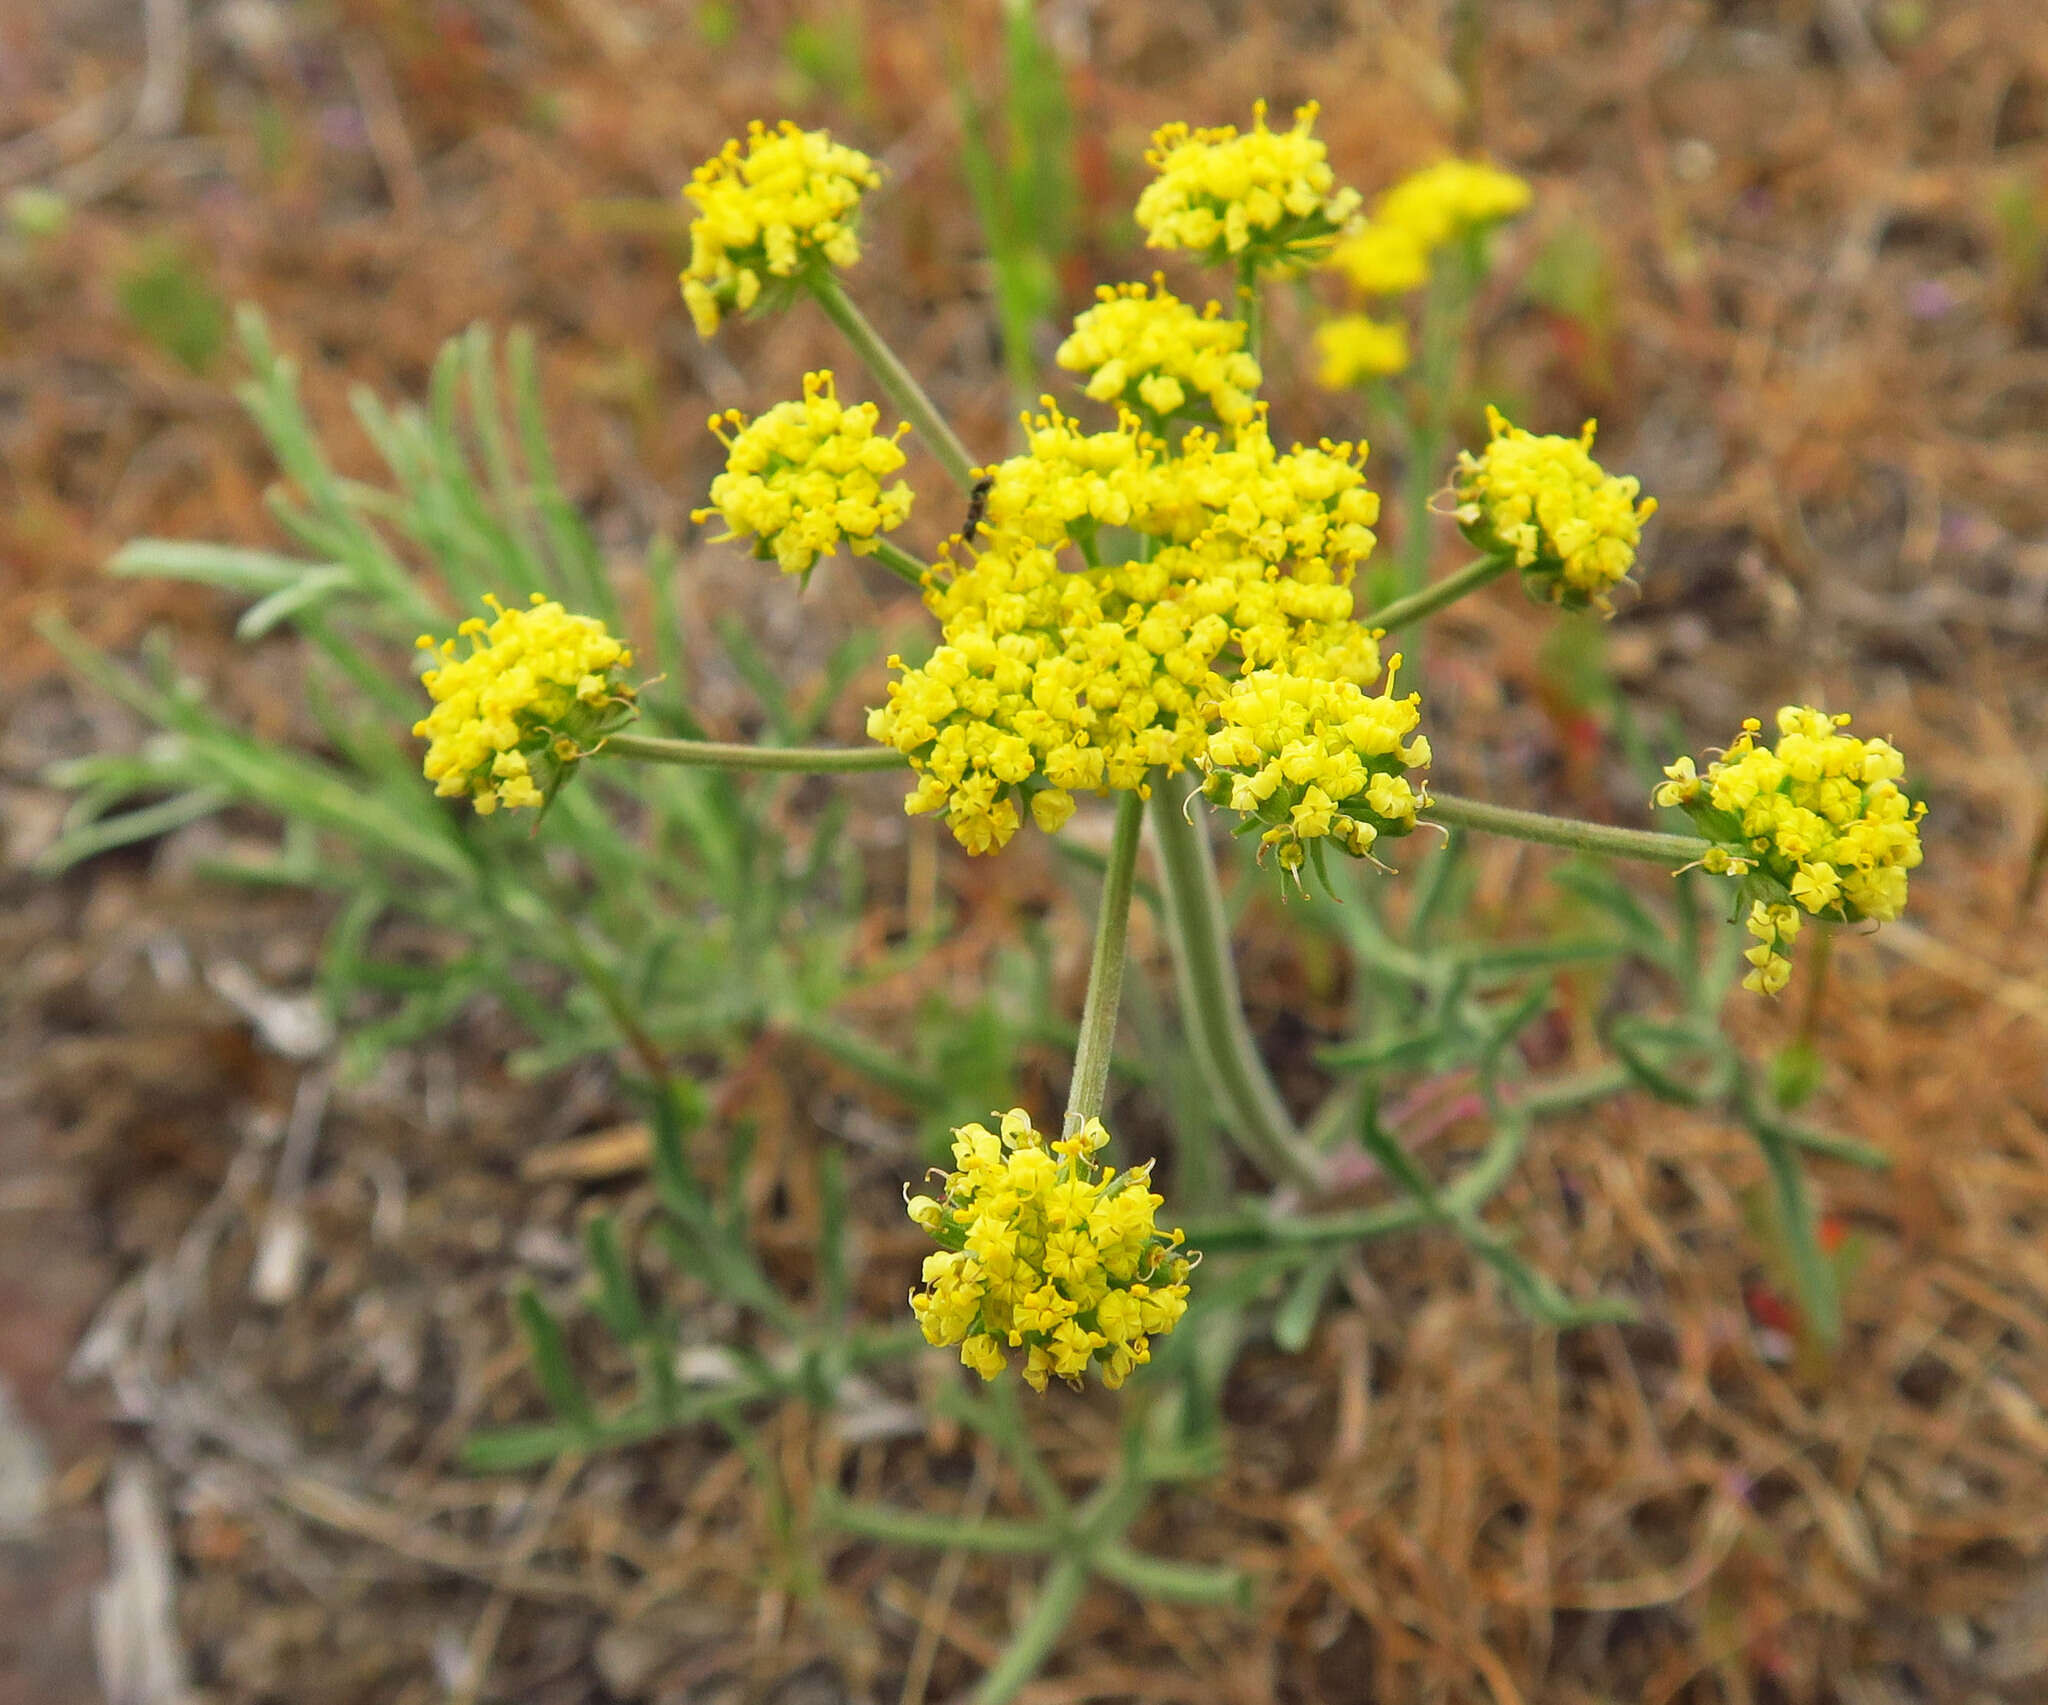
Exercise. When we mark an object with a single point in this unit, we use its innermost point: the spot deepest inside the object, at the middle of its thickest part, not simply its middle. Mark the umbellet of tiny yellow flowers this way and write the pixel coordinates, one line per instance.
(768, 209)
(1056, 673)
(1379, 259)
(1263, 199)
(1815, 823)
(806, 475)
(1448, 198)
(1356, 347)
(1571, 527)
(536, 688)
(1314, 760)
(1148, 351)
(1045, 1250)
(1390, 254)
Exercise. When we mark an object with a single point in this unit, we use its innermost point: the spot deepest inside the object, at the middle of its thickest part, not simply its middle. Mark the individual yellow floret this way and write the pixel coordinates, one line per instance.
(537, 688)
(1449, 198)
(1353, 348)
(1381, 259)
(1152, 353)
(1571, 527)
(769, 209)
(1816, 824)
(1045, 1250)
(1310, 761)
(806, 475)
(1264, 200)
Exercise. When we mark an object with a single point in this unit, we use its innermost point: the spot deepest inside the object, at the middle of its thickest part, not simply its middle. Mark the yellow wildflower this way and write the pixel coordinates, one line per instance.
(1816, 823)
(537, 686)
(1058, 673)
(1448, 198)
(806, 475)
(1571, 527)
(1265, 199)
(1044, 1250)
(1310, 760)
(768, 210)
(1774, 927)
(1151, 352)
(1381, 259)
(1355, 347)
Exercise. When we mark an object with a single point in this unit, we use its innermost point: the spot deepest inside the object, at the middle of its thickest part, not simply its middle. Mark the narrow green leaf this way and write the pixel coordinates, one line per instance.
(258, 573)
(617, 1300)
(577, 560)
(1294, 1321)
(1400, 1165)
(1656, 1057)
(315, 588)
(104, 834)
(506, 1450)
(1184, 1583)
(1812, 1272)
(941, 1533)
(549, 1353)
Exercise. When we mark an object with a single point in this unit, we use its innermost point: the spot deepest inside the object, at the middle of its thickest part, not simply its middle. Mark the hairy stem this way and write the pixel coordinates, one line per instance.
(900, 563)
(1212, 1006)
(1580, 836)
(1106, 968)
(1446, 591)
(716, 754)
(895, 379)
(1189, 871)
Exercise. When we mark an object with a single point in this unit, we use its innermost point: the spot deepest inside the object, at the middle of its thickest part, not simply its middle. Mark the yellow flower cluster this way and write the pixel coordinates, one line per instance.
(1449, 198)
(1045, 1250)
(1389, 254)
(537, 686)
(806, 475)
(1263, 199)
(1816, 822)
(768, 210)
(1312, 759)
(1151, 352)
(1355, 347)
(1052, 678)
(1571, 527)
(1380, 259)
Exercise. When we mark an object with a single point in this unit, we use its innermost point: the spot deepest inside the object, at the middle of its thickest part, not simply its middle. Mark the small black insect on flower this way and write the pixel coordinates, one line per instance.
(977, 507)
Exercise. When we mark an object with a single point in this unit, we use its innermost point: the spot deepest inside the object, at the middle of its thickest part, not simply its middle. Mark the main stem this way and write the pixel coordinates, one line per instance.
(1106, 968)
(1212, 1007)
(895, 379)
(1448, 590)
